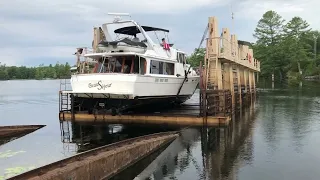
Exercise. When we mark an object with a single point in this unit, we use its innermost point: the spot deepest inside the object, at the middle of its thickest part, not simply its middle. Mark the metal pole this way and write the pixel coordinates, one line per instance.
(72, 108)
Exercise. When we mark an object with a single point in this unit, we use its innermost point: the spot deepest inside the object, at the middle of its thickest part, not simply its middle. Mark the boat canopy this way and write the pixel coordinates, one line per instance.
(133, 30)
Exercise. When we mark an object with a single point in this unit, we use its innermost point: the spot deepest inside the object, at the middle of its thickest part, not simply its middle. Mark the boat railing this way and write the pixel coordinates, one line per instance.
(82, 61)
(84, 51)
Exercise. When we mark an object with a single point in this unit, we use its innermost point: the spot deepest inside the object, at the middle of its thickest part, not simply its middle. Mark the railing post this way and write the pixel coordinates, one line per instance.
(72, 107)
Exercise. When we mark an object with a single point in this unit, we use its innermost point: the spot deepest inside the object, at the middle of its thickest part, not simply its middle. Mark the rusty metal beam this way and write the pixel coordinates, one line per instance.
(179, 120)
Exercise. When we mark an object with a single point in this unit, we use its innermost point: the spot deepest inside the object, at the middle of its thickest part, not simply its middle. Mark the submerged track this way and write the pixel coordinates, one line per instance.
(102, 162)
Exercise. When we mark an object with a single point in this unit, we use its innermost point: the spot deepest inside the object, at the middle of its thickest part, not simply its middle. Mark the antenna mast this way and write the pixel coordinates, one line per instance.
(117, 16)
(232, 19)
(232, 31)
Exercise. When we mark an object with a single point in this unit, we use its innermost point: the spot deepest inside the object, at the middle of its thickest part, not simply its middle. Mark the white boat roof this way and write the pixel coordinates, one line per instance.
(154, 50)
(105, 54)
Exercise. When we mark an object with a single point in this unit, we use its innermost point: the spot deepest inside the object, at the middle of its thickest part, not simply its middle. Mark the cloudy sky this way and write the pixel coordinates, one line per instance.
(42, 31)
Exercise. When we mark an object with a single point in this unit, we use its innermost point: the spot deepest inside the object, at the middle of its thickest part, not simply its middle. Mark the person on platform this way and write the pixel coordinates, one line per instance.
(165, 45)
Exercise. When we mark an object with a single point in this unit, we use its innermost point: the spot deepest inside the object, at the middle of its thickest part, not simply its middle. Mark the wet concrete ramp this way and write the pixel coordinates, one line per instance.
(102, 162)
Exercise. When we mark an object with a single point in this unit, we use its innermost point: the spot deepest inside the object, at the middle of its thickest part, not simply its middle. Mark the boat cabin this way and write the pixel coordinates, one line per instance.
(133, 64)
(125, 53)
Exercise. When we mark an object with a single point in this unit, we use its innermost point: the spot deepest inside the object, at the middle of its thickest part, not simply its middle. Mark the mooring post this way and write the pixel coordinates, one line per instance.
(239, 85)
(231, 85)
(250, 82)
(60, 103)
(200, 88)
(245, 74)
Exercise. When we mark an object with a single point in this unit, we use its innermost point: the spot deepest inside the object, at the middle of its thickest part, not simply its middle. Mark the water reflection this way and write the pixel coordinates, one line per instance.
(206, 153)
(80, 137)
(282, 144)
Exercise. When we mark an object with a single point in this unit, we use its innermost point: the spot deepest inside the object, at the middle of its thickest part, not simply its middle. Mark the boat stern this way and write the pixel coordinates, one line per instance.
(108, 85)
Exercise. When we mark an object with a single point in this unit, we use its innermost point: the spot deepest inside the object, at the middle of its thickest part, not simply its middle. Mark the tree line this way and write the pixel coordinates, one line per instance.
(57, 71)
(285, 49)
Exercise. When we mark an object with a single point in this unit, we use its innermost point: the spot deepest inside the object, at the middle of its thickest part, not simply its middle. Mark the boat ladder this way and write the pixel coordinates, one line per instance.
(65, 131)
(64, 97)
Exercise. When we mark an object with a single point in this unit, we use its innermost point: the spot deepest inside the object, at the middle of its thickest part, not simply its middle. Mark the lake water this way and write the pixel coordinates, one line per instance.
(275, 138)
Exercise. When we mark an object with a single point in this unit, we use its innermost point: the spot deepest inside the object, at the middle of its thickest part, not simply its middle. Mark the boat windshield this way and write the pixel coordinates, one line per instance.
(120, 64)
(121, 30)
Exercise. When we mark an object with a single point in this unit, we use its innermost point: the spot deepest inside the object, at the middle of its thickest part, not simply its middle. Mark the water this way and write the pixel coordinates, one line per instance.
(275, 138)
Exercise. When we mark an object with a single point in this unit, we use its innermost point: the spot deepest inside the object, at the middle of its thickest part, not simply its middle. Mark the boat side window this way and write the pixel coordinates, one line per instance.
(136, 65)
(181, 58)
(169, 68)
(154, 67)
(123, 64)
(100, 66)
(158, 67)
(117, 65)
(127, 65)
(143, 65)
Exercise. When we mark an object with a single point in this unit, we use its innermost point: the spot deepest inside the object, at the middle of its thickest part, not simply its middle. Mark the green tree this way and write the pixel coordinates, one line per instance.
(297, 31)
(40, 72)
(287, 51)
(269, 33)
(3, 72)
(197, 56)
(269, 29)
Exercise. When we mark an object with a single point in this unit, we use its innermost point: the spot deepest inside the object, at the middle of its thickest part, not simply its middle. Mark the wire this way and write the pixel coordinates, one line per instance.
(203, 36)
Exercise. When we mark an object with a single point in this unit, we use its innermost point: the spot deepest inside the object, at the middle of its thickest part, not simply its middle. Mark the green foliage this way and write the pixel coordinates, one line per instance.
(196, 57)
(286, 49)
(269, 28)
(10, 172)
(40, 72)
(9, 153)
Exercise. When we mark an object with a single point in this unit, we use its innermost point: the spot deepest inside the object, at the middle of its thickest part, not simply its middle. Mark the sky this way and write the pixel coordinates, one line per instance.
(42, 32)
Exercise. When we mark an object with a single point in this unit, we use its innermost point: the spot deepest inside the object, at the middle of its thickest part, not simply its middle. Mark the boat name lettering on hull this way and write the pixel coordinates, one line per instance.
(99, 85)
(161, 80)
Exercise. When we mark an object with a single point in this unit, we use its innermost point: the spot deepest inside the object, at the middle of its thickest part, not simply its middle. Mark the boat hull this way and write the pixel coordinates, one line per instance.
(131, 86)
(125, 92)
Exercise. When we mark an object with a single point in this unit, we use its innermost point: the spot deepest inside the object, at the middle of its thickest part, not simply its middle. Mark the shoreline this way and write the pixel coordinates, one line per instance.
(32, 79)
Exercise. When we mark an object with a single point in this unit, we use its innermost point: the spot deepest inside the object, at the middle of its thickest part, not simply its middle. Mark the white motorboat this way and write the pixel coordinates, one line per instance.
(130, 73)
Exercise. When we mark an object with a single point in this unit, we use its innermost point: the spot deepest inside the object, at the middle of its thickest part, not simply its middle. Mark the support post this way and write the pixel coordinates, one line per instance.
(239, 85)
(254, 81)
